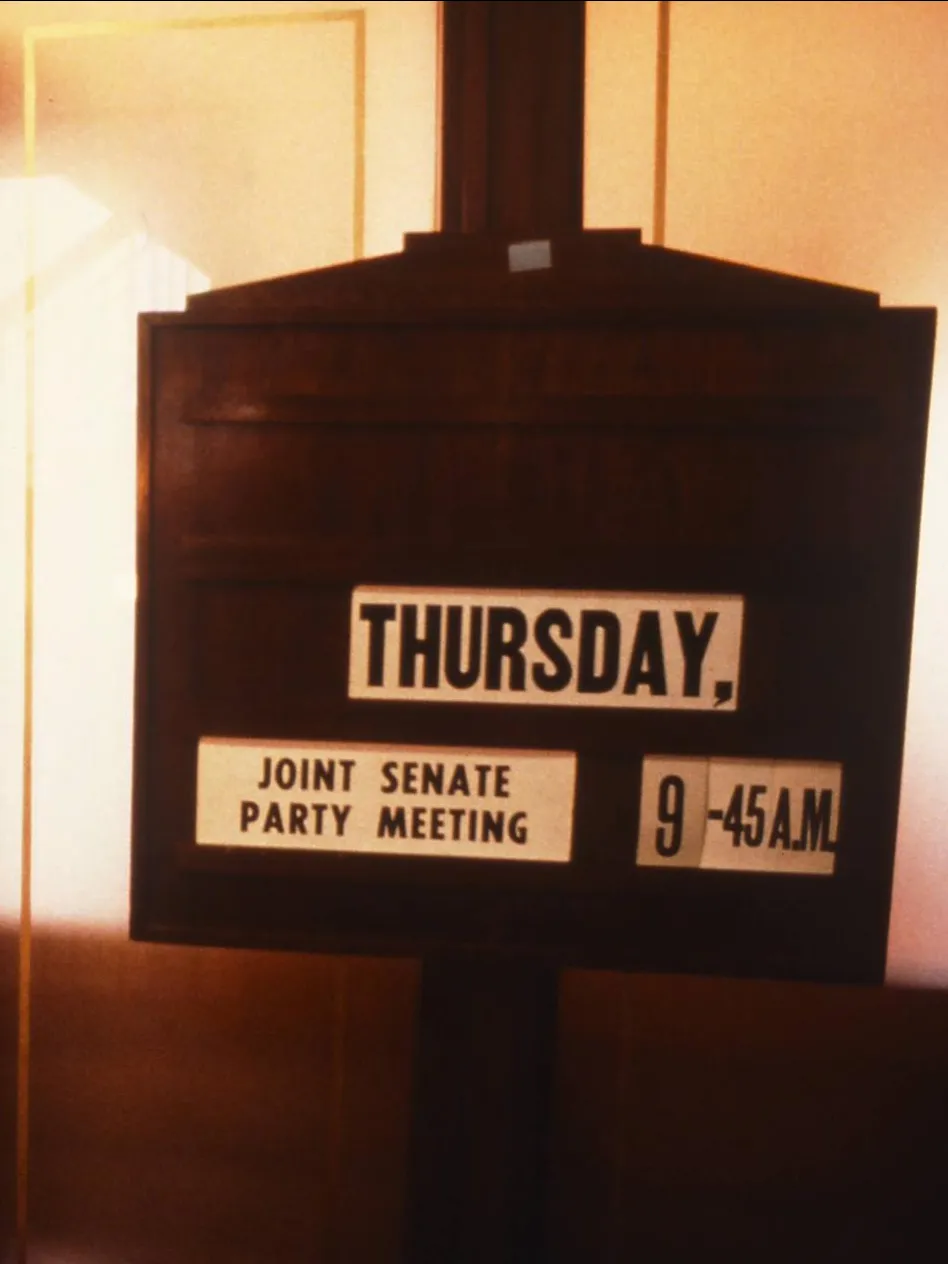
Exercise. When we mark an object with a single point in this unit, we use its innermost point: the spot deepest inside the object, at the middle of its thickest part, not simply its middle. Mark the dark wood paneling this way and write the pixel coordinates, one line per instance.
(731, 1120)
(230, 1108)
(9, 941)
(209, 1106)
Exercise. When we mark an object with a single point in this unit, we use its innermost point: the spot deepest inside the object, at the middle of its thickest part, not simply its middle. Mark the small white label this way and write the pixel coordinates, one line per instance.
(774, 816)
(379, 800)
(524, 647)
(529, 256)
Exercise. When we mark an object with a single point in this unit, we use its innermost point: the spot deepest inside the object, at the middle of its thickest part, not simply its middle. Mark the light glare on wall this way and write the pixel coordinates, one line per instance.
(93, 276)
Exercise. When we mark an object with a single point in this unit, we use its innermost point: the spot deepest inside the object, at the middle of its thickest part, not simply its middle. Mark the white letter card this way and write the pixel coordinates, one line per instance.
(771, 816)
(380, 800)
(519, 647)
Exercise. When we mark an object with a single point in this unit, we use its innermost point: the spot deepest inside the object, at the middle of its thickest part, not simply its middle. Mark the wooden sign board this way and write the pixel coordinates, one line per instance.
(562, 613)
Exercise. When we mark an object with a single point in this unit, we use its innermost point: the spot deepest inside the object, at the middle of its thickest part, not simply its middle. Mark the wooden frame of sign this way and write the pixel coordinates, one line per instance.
(549, 600)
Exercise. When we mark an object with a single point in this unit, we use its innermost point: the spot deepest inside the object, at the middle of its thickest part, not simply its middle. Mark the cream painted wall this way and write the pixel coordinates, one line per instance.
(235, 145)
(620, 114)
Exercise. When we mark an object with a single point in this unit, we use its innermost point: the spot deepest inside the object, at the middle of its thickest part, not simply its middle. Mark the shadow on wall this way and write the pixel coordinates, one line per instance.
(94, 274)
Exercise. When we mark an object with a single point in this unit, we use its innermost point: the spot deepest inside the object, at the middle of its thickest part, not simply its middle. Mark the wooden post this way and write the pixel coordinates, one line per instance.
(481, 1113)
(512, 164)
(512, 120)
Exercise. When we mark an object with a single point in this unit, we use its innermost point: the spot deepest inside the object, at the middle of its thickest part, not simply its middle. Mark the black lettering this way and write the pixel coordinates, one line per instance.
(376, 616)
(340, 815)
(670, 811)
(273, 820)
(733, 817)
(754, 832)
(427, 647)
(492, 827)
(437, 824)
(347, 766)
(389, 777)
(249, 812)
(324, 774)
(456, 675)
(502, 781)
(285, 774)
(457, 820)
(552, 681)
(483, 772)
(647, 660)
(418, 822)
(267, 773)
(694, 646)
(319, 813)
(432, 778)
(506, 637)
(723, 692)
(410, 778)
(392, 823)
(517, 828)
(459, 782)
(298, 814)
(598, 669)
(780, 829)
(817, 815)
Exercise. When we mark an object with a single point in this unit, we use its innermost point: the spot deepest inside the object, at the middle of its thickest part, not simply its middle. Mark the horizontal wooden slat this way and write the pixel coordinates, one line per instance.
(528, 408)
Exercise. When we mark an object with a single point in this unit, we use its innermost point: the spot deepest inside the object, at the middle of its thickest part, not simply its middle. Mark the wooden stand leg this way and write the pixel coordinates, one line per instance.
(482, 1097)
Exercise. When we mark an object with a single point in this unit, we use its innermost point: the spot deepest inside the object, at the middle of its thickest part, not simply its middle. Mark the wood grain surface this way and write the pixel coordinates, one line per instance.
(9, 940)
(213, 1107)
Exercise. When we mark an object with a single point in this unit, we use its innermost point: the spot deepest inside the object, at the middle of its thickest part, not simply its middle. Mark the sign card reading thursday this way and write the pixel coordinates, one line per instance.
(774, 816)
(662, 651)
(376, 800)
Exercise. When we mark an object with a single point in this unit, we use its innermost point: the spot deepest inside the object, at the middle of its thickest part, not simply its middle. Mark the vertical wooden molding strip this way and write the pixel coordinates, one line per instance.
(661, 123)
(439, 115)
(26, 840)
(358, 177)
(340, 975)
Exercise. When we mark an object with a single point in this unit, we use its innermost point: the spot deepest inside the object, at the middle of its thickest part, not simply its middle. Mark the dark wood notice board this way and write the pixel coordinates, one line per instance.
(570, 608)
